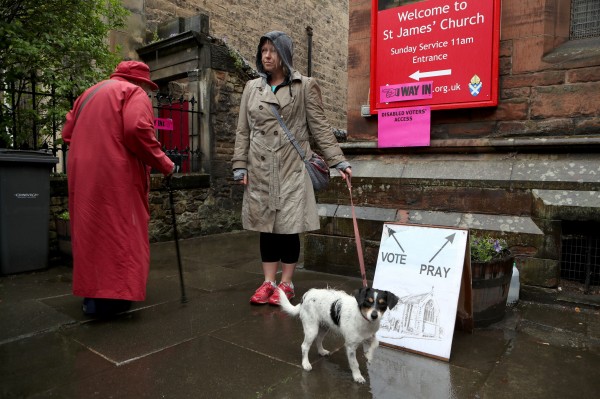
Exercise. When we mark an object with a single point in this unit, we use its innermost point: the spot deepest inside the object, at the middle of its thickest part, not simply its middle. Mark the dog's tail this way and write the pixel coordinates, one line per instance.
(286, 306)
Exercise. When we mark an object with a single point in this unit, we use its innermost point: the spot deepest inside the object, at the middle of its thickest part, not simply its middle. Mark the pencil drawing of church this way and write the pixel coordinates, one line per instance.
(415, 316)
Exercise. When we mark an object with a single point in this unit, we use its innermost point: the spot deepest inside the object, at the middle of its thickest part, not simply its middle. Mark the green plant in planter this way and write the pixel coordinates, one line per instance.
(486, 248)
(63, 215)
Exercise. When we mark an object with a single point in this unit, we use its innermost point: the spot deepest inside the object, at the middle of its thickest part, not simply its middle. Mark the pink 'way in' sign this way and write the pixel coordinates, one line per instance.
(163, 123)
(404, 127)
(405, 92)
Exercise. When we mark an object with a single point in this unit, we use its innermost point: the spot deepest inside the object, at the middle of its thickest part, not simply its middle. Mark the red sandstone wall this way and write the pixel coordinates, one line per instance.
(548, 86)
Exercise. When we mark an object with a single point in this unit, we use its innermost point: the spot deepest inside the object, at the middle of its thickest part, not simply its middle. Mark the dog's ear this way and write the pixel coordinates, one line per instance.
(392, 300)
(360, 295)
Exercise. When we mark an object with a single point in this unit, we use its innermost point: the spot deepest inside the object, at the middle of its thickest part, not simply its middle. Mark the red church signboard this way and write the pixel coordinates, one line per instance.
(448, 48)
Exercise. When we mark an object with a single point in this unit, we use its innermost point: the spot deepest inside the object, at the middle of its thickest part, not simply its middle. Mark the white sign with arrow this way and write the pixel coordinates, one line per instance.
(442, 72)
(423, 266)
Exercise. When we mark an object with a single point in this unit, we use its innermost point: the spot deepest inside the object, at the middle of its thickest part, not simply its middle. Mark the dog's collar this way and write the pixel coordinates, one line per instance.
(363, 316)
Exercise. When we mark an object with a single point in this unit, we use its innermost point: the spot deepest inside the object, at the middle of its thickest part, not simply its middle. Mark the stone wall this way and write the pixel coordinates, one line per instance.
(240, 24)
(133, 35)
(198, 210)
(227, 93)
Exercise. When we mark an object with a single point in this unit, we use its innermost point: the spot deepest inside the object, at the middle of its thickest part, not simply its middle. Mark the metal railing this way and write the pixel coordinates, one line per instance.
(178, 122)
(30, 120)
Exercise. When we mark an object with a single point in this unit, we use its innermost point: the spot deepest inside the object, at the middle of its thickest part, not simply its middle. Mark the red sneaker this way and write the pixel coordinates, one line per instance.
(263, 293)
(287, 289)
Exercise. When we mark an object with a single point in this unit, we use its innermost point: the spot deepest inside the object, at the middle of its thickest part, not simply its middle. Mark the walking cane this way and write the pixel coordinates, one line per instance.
(170, 188)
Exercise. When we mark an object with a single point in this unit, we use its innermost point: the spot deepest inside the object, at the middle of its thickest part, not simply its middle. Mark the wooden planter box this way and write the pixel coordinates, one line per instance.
(490, 282)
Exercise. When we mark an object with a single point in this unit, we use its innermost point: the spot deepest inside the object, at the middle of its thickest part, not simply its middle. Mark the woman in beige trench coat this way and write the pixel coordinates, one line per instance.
(279, 201)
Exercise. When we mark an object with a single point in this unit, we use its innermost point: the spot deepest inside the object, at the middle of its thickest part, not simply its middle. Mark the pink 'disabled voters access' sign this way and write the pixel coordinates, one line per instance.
(404, 127)
(405, 92)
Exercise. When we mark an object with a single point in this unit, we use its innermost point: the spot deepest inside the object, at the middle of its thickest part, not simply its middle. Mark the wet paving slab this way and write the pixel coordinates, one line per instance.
(217, 345)
(531, 368)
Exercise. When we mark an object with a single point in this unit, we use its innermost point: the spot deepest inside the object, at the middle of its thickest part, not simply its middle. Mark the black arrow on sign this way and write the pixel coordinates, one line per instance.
(449, 239)
(391, 233)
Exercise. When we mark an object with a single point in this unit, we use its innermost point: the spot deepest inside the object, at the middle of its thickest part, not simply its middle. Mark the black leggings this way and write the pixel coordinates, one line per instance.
(279, 247)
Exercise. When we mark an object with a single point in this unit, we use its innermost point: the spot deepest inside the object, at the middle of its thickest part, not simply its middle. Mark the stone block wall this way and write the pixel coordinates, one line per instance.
(59, 203)
(227, 92)
(241, 23)
(134, 34)
(198, 210)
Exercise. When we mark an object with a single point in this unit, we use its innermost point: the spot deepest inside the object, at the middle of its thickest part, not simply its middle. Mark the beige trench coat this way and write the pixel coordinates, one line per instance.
(279, 197)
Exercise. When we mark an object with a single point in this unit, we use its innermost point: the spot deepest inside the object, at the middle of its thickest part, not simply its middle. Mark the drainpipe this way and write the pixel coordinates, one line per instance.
(309, 32)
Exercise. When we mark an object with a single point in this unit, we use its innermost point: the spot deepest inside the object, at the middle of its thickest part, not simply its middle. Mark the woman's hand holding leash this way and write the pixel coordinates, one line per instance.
(346, 172)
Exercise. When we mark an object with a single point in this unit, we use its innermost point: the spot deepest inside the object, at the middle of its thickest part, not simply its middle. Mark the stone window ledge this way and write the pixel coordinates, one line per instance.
(575, 50)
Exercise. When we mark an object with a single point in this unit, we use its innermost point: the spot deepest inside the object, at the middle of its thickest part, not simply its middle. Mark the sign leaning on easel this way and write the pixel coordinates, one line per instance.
(424, 267)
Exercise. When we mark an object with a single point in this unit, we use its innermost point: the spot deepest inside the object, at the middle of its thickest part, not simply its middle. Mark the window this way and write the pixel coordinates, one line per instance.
(585, 19)
(580, 256)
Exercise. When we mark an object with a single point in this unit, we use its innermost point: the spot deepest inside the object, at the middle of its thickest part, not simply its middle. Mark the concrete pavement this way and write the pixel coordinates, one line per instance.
(219, 346)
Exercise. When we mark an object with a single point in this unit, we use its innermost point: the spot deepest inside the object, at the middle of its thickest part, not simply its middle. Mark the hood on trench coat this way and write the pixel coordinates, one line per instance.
(279, 197)
(285, 49)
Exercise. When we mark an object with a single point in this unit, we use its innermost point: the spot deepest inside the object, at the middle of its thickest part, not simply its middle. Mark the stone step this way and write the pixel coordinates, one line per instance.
(486, 184)
(577, 171)
(566, 205)
(337, 220)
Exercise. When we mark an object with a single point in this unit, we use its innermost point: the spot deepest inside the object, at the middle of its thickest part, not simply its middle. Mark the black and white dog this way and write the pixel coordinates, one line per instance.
(356, 318)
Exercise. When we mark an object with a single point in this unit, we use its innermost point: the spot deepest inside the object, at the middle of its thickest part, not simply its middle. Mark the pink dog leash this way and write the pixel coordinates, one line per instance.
(359, 250)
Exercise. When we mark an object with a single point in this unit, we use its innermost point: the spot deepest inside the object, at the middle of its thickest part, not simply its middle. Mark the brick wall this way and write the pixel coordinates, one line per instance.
(240, 24)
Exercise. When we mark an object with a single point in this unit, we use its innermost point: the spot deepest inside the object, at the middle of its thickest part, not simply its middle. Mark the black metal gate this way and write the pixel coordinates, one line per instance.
(177, 128)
